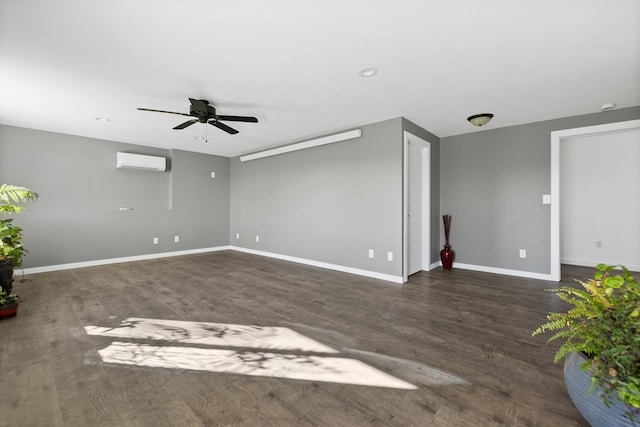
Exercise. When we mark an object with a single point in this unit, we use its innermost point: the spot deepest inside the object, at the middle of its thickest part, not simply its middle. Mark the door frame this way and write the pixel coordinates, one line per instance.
(409, 138)
(557, 137)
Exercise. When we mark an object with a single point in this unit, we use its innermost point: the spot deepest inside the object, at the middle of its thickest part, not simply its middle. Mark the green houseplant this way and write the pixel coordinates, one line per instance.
(11, 249)
(603, 324)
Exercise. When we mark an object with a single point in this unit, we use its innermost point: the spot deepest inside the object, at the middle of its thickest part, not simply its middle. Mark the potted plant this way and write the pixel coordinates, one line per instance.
(8, 303)
(600, 335)
(11, 249)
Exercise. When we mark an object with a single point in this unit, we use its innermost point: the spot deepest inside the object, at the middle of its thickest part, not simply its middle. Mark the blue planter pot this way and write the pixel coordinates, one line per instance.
(589, 404)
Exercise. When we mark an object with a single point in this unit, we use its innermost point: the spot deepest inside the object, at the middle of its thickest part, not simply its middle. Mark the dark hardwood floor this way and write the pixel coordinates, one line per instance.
(470, 326)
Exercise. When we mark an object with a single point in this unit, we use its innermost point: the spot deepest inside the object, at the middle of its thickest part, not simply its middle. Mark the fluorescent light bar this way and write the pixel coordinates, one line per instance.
(305, 144)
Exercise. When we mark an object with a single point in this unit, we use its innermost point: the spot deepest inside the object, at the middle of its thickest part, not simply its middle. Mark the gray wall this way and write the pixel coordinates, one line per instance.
(411, 127)
(492, 182)
(77, 217)
(329, 204)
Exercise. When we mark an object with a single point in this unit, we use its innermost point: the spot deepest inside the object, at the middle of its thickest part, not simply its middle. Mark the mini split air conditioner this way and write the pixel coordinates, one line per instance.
(140, 161)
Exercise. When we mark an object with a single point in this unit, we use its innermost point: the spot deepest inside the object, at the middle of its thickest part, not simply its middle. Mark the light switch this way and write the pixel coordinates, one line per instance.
(546, 199)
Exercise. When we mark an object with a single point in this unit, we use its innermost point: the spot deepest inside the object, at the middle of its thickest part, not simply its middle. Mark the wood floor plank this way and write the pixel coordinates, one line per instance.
(462, 338)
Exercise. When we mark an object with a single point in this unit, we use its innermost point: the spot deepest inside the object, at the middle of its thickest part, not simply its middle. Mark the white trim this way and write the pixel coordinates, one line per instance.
(341, 268)
(504, 271)
(408, 138)
(330, 139)
(556, 138)
(58, 267)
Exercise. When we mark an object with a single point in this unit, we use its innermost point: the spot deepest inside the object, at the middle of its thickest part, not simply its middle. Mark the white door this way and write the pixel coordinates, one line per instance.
(415, 214)
(417, 205)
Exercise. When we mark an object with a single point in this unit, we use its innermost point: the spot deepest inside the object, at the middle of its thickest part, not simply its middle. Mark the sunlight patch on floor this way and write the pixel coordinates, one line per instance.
(235, 349)
(290, 366)
(215, 334)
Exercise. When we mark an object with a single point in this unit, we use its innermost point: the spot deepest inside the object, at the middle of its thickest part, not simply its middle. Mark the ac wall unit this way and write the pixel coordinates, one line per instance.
(140, 161)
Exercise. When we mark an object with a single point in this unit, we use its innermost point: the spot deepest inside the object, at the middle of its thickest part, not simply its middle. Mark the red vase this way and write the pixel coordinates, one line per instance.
(446, 257)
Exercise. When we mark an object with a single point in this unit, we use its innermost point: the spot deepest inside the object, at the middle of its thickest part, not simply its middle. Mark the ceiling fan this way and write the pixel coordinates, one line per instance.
(206, 113)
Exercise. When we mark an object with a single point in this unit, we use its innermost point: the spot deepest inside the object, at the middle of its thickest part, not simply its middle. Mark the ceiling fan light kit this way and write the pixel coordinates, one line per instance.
(206, 113)
(480, 119)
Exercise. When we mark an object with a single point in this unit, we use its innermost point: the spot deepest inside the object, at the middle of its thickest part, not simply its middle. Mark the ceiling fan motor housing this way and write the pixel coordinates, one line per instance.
(202, 116)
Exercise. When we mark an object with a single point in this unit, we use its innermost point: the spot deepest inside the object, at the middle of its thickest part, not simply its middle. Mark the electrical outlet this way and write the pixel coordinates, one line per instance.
(155, 240)
(370, 253)
(598, 244)
(523, 253)
(176, 239)
(389, 256)
(237, 236)
(213, 174)
(257, 238)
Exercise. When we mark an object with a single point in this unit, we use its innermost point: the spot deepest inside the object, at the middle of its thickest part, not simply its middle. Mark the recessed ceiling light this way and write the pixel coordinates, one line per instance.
(368, 72)
(609, 106)
(103, 119)
(199, 137)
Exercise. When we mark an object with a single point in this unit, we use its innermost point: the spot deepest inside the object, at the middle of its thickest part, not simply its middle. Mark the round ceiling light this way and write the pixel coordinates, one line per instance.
(198, 137)
(609, 106)
(368, 72)
(103, 119)
(480, 119)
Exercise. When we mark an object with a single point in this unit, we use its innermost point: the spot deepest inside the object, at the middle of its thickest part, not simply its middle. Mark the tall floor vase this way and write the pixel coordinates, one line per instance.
(446, 257)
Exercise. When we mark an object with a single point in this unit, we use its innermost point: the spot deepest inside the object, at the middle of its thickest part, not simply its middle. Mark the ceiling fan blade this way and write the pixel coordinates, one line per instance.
(163, 111)
(238, 119)
(186, 124)
(224, 127)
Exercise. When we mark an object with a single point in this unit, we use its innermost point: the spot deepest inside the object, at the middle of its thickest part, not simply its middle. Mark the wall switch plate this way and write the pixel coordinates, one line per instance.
(370, 253)
(176, 239)
(523, 253)
(546, 199)
(155, 240)
(237, 236)
(257, 238)
(213, 174)
(389, 256)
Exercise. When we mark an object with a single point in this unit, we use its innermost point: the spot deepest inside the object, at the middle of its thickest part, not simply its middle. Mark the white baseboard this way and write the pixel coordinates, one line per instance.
(69, 266)
(506, 272)
(336, 267)
(359, 272)
(435, 265)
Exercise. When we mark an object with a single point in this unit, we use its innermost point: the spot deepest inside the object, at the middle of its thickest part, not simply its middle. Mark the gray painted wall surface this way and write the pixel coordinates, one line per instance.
(329, 204)
(411, 127)
(77, 217)
(492, 182)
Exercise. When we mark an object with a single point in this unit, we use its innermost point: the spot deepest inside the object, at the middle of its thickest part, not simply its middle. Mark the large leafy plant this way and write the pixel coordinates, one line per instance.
(604, 324)
(10, 234)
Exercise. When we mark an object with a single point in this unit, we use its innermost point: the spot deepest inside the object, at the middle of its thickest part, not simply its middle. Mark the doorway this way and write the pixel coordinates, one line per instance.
(557, 137)
(417, 206)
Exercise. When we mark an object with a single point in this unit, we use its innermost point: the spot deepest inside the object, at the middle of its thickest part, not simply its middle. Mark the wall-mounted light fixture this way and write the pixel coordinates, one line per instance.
(480, 119)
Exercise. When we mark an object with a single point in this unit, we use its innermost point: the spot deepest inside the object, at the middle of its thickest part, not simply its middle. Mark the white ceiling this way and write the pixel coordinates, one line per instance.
(295, 65)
